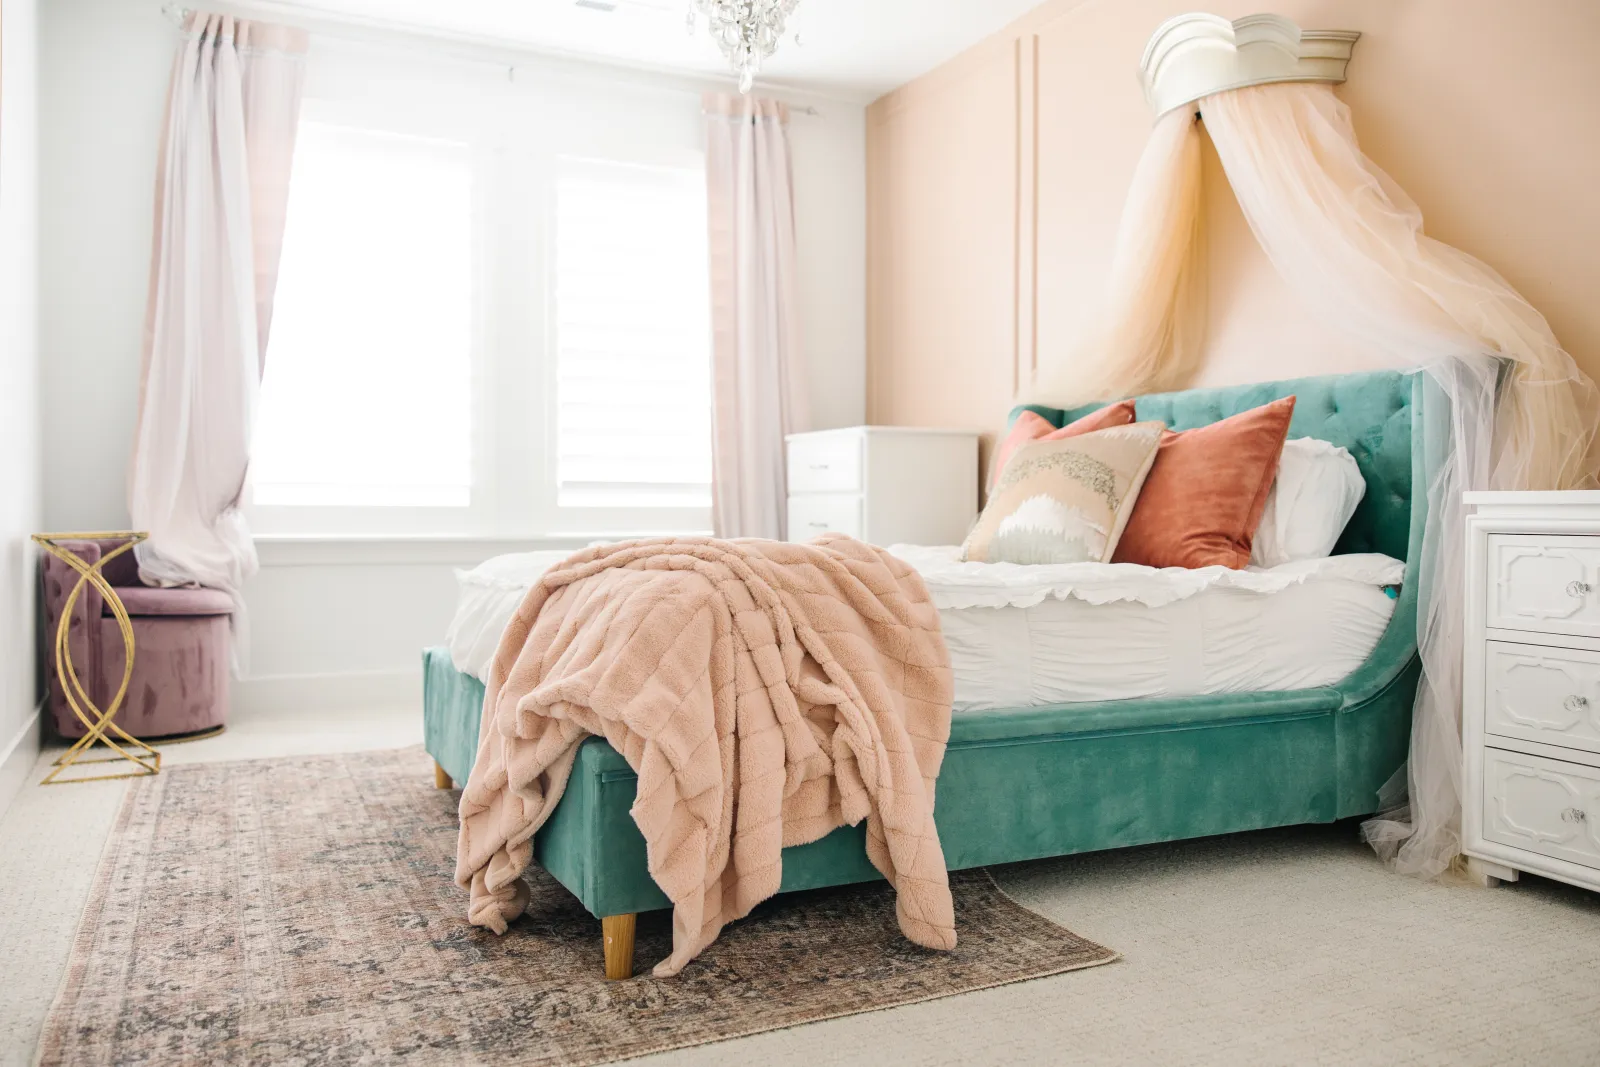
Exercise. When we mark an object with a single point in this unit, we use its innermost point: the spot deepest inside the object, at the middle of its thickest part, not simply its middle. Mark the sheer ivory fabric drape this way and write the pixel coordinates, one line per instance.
(758, 380)
(1154, 311)
(1350, 244)
(222, 193)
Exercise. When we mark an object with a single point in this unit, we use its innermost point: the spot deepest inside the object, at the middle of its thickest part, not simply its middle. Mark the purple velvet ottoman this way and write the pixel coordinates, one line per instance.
(182, 651)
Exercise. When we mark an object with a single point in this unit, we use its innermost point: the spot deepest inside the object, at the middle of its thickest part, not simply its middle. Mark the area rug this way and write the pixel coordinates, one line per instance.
(302, 911)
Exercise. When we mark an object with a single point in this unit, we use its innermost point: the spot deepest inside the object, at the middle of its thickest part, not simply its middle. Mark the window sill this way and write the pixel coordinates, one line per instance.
(338, 550)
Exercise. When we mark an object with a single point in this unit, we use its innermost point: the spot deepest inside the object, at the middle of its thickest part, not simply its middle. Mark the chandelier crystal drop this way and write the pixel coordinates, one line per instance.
(747, 31)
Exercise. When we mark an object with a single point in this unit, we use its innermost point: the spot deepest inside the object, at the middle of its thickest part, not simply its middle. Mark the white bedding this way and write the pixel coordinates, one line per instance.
(1023, 636)
(489, 595)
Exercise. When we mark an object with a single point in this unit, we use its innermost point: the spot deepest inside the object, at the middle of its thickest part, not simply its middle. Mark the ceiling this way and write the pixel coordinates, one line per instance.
(855, 48)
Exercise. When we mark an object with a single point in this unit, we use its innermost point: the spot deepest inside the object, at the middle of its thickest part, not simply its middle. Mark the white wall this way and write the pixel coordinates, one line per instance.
(103, 73)
(329, 622)
(19, 389)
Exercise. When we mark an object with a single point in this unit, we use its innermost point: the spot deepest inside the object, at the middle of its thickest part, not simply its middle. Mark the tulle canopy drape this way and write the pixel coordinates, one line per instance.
(1513, 411)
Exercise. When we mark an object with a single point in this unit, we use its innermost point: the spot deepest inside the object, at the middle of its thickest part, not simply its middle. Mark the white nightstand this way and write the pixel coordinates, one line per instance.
(1531, 687)
(884, 484)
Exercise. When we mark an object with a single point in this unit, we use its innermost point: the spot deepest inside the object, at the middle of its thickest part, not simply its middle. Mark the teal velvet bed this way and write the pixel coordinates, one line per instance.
(1049, 781)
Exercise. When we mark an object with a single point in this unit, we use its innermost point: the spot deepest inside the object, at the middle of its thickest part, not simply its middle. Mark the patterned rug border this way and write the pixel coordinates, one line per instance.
(78, 956)
(81, 954)
(1049, 971)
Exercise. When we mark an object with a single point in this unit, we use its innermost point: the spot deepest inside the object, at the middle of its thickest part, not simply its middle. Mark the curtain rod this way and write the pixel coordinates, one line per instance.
(364, 30)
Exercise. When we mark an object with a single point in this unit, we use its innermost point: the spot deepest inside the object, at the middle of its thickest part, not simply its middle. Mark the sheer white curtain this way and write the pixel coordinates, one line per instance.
(758, 379)
(222, 192)
(1149, 333)
(1349, 242)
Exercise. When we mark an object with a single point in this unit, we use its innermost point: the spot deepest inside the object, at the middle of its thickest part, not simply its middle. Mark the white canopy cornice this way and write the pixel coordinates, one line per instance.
(1195, 55)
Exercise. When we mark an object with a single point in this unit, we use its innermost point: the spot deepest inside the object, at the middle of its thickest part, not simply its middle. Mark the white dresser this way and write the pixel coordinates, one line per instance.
(1531, 694)
(884, 484)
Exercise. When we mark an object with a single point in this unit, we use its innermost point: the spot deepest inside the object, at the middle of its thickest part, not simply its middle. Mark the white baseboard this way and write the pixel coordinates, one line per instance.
(19, 756)
(353, 691)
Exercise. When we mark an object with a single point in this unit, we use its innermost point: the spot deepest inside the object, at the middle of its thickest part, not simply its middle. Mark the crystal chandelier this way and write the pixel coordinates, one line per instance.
(748, 31)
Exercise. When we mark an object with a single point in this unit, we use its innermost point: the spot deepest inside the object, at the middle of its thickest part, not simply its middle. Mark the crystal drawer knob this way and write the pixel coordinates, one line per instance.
(1574, 815)
(1577, 588)
(1575, 703)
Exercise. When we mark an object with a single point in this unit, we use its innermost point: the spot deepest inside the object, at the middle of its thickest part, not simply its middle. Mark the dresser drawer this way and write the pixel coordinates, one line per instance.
(825, 463)
(1544, 584)
(1542, 694)
(824, 513)
(1542, 805)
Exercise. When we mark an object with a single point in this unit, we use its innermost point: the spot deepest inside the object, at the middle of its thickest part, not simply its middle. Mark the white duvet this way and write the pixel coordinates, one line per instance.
(1023, 636)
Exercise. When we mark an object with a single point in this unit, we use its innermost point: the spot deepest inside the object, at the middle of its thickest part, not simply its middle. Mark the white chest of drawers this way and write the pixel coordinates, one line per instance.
(1531, 687)
(884, 484)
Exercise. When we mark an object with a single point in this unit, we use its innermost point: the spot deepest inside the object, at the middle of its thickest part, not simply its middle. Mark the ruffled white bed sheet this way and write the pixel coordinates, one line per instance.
(1025, 636)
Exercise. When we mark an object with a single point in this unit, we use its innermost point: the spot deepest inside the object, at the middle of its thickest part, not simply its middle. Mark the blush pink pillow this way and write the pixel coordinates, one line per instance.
(1031, 427)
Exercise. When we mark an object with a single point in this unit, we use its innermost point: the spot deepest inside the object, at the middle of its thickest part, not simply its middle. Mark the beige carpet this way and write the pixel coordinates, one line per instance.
(1284, 947)
(303, 910)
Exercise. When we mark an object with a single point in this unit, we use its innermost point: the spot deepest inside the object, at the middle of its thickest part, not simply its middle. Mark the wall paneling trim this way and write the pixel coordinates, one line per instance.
(996, 183)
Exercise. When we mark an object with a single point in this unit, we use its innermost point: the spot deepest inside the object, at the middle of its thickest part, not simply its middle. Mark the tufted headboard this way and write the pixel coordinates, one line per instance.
(1371, 414)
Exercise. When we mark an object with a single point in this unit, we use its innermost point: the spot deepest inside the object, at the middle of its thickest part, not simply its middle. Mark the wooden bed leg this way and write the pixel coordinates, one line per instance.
(618, 931)
(441, 780)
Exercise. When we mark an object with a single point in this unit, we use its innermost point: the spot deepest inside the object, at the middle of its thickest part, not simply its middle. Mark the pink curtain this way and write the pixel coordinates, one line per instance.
(757, 371)
(221, 197)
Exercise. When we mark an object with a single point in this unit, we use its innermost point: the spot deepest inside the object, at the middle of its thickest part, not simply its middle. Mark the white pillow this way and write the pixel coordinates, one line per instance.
(490, 595)
(1318, 488)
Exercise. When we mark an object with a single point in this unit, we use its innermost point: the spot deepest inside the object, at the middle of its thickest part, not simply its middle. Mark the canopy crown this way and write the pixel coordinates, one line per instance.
(1195, 55)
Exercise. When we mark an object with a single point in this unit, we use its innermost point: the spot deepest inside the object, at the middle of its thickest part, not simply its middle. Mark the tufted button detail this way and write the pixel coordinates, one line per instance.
(1370, 414)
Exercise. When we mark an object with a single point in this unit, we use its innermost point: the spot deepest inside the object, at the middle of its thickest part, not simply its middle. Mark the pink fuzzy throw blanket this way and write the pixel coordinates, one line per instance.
(766, 694)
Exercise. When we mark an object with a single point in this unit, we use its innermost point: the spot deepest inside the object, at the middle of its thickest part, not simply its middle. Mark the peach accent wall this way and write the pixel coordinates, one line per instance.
(995, 184)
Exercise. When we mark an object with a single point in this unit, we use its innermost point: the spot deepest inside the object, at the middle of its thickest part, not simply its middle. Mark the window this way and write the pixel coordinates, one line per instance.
(366, 399)
(633, 336)
(493, 314)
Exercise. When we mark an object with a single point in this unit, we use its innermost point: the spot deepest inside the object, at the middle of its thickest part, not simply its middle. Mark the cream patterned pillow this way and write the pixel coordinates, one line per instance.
(1065, 501)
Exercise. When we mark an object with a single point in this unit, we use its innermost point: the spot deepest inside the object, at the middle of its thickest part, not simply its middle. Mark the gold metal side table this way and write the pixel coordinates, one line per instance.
(101, 722)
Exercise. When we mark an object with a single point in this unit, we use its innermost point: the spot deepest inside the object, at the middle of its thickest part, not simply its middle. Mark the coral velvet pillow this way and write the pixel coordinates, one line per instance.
(1203, 499)
(1031, 427)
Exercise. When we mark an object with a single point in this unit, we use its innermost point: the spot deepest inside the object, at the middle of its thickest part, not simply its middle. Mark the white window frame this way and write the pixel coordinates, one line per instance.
(519, 132)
